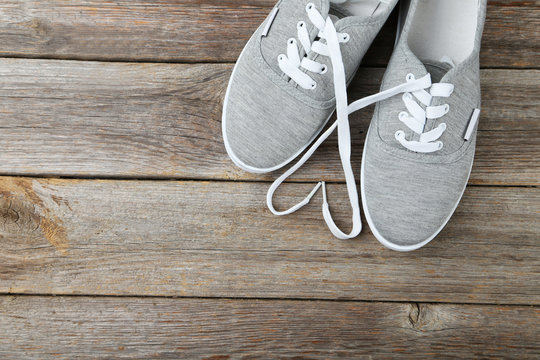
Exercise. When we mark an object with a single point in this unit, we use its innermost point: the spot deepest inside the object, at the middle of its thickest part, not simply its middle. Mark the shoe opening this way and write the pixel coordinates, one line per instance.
(444, 28)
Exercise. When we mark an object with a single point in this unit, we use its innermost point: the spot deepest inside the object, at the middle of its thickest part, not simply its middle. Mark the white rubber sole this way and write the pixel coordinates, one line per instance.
(380, 238)
(231, 153)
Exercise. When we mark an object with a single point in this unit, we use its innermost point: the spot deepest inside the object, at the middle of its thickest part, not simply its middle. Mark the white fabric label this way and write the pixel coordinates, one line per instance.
(271, 18)
(472, 124)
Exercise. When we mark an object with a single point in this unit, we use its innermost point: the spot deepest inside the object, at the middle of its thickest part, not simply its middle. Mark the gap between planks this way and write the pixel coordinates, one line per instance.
(267, 181)
(282, 299)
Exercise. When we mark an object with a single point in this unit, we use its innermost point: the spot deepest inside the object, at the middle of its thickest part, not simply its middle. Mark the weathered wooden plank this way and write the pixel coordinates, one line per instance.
(86, 327)
(209, 30)
(164, 120)
(218, 239)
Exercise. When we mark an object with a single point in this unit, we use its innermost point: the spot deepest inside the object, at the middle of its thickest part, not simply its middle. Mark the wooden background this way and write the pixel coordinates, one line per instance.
(126, 232)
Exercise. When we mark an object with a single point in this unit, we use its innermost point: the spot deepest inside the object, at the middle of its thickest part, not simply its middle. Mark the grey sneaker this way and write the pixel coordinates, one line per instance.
(281, 92)
(420, 146)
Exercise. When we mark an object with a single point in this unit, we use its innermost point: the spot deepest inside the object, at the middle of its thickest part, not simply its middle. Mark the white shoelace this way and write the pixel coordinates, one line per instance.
(290, 64)
(343, 110)
(416, 117)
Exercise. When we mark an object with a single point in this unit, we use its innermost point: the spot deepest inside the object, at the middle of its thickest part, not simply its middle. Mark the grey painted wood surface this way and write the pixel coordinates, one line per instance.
(216, 239)
(213, 237)
(209, 30)
(142, 328)
(70, 118)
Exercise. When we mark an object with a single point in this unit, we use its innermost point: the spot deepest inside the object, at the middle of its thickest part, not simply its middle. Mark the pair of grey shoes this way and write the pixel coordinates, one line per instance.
(293, 74)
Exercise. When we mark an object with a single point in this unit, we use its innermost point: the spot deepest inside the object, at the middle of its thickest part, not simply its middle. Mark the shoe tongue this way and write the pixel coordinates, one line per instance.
(324, 7)
(337, 4)
(359, 8)
(438, 68)
(334, 18)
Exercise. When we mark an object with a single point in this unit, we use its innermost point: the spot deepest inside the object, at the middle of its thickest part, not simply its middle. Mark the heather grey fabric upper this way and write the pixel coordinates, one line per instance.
(410, 196)
(268, 118)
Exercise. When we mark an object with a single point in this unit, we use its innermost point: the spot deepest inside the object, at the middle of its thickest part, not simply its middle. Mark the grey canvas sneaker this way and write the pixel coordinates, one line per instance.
(333, 49)
(420, 146)
(281, 92)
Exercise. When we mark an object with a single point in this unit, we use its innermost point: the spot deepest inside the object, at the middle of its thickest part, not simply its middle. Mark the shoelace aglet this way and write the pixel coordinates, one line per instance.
(323, 184)
(325, 207)
(313, 192)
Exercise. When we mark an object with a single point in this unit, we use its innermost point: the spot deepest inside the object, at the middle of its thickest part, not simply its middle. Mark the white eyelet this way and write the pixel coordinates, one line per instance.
(403, 116)
(313, 85)
(324, 69)
(446, 108)
(443, 126)
(399, 135)
(407, 96)
(300, 24)
(281, 57)
(346, 38)
(410, 77)
(310, 6)
(440, 145)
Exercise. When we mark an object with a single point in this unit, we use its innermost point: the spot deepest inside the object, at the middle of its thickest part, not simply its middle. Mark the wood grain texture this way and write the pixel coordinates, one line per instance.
(83, 327)
(210, 241)
(216, 239)
(209, 30)
(71, 118)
